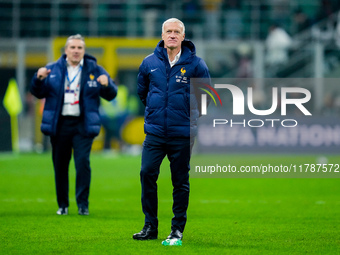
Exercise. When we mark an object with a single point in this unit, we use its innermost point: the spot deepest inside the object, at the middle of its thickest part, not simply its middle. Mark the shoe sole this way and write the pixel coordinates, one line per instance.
(144, 239)
(59, 213)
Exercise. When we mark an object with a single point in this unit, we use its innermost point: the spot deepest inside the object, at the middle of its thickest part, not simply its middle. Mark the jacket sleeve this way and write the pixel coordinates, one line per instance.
(110, 91)
(38, 87)
(202, 70)
(143, 83)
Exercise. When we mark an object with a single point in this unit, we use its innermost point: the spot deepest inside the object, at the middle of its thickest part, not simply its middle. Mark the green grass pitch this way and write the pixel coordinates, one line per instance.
(225, 216)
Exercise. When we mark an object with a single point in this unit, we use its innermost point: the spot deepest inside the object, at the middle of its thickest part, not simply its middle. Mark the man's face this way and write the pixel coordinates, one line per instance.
(173, 35)
(75, 51)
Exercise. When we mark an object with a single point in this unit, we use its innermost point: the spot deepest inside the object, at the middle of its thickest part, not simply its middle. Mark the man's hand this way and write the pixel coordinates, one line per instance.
(43, 72)
(103, 80)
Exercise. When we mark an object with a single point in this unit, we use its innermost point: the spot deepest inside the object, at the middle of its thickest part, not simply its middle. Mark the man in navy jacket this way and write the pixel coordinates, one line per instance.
(72, 87)
(164, 88)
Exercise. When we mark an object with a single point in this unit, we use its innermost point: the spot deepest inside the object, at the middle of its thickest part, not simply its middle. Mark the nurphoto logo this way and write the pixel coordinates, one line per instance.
(301, 97)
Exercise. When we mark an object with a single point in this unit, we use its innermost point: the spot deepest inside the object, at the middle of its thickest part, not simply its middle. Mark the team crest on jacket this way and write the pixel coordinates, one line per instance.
(183, 71)
(92, 82)
(181, 78)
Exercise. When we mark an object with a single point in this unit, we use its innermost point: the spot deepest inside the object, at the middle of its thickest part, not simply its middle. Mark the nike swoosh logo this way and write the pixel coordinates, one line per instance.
(52, 75)
(152, 70)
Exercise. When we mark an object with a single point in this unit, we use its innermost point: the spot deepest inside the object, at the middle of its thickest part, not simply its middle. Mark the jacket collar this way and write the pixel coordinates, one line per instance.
(188, 51)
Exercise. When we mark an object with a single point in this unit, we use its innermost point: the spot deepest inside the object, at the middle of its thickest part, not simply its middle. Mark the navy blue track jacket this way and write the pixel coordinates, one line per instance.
(165, 91)
(52, 89)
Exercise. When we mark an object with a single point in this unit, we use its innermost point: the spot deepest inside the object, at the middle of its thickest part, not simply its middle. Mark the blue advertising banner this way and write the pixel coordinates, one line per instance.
(274, 134)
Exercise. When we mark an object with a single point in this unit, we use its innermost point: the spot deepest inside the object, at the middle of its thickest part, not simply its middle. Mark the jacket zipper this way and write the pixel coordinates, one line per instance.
(166, 99)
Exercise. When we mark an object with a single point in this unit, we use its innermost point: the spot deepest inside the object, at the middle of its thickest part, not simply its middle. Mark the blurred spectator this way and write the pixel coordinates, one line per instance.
(244, 62)
(323, 32)
(232, 14)
(301, 20)
(329, 107)
(277, 45)
(114, 114)
(212, 18)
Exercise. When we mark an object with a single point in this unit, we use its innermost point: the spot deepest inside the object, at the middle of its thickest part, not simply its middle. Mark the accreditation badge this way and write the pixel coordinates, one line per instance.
(69, 97)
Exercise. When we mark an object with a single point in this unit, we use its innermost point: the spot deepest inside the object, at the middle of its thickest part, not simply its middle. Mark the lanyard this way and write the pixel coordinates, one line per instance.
(68, 79)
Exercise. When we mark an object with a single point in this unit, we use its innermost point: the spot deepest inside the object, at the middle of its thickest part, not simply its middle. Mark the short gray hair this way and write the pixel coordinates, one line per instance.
(174, 20)
(77, 36)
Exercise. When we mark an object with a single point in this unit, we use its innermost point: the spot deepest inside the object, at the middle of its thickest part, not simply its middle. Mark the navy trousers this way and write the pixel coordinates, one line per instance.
(69, 137)
(178, 151)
